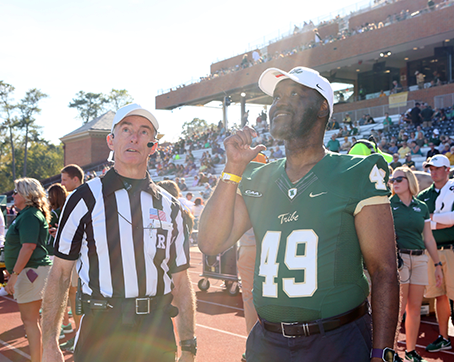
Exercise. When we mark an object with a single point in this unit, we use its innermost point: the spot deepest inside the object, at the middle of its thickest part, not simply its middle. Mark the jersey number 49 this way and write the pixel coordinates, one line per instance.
(269, 267)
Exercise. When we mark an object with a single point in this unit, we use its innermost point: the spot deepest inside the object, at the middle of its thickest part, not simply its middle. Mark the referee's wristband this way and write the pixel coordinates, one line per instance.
(437, 264)
(229, 177)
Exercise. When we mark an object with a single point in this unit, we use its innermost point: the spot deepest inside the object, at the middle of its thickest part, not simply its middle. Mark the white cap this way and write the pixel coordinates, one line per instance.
(134, 109)
(436, 131)
(302, 75)
(438, 161)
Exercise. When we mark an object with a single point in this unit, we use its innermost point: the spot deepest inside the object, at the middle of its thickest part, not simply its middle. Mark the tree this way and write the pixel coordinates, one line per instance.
(10, 122)
(196, 125)
(89, 105)
(118, 98)
(29, 108)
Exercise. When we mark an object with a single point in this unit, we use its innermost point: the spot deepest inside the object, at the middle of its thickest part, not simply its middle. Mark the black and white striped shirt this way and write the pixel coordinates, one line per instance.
(127, 244)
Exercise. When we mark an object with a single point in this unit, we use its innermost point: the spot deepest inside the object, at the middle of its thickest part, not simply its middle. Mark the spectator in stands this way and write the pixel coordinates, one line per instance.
(333, 144)
(332, 124)
(387, 122)
(397, 87)
(409, 162)
(432, 152)
(382, 94)
(413, 235)
(278, 153)
(393, 148)
(420, 140)
(182, 185)
(195, 182)
(415, 115)
(446, 148)
(212, 180)
(361, 93)
(347, 119)
(418, 131)
(426, 115)
(436, 81)
(396, 163)
(435, 139)
(362, 120)
(415, 149)
(206, 194)
(202, 179)
(450, 155)
(420, 79)
(244, 62)
(343, 132)
(369, 119)
(404, 150)
(383, 145)
(346, 145)
(353, 129)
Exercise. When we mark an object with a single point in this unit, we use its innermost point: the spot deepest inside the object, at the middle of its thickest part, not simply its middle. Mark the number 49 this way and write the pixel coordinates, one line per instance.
(269, 267)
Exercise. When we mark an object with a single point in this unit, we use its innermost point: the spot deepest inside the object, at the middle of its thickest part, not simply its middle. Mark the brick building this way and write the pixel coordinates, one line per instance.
(87, 144)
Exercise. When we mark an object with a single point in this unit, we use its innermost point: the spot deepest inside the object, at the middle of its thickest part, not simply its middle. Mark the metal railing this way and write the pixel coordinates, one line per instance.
(375, 112)
(445, 100)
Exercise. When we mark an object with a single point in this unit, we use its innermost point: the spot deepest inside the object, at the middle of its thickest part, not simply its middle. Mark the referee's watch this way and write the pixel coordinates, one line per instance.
(189, 345)
(386, 354)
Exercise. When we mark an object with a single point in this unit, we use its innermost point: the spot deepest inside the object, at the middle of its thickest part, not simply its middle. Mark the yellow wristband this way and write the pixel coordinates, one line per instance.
(230, 177)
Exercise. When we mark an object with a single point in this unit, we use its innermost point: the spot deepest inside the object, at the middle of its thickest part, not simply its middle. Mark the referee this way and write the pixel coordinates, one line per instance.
(131, 247)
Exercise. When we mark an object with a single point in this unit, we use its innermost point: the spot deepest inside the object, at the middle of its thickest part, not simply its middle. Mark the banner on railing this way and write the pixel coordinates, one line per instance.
(398, 100)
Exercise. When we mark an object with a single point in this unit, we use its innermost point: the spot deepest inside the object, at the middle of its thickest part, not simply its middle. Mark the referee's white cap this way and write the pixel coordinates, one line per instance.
(302, 75)
(134, 109)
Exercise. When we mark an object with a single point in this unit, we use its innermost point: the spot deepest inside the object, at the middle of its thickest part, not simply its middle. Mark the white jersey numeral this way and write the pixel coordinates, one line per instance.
(268, 266)
(377, 176)
(306, 261)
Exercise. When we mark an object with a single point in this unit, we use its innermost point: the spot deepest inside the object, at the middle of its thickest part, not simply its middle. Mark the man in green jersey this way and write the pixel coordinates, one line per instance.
(443, 231)
(316, 216)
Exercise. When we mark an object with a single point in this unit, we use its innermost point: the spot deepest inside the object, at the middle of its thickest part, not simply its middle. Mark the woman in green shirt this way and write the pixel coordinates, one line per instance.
(413, 235)
(26, 257)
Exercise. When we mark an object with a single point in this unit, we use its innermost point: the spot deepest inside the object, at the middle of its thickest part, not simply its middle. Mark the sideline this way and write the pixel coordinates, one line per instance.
(424, 347)
(23, 354)
(221, 331)
(219, 305)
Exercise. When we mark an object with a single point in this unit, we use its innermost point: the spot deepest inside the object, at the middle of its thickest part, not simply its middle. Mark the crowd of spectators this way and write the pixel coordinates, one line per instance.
(257, 57)
(166, 161)
(419, 128)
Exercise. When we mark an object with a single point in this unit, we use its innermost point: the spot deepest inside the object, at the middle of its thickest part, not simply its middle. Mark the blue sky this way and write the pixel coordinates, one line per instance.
(62, 47)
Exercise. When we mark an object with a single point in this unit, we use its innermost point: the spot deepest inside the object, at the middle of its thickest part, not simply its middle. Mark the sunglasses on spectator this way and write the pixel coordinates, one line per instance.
(397, 179)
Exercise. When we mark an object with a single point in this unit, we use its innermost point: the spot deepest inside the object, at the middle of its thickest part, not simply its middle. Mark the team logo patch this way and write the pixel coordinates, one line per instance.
(157, 215)
(253, 193)
(292, 193)
(296, 71)
(417, 209)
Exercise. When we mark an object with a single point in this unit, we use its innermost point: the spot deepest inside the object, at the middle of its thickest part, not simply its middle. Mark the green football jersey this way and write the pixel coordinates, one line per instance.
(309, 262)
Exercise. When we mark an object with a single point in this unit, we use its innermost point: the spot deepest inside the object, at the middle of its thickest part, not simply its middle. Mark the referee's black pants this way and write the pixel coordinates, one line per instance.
(104, 338)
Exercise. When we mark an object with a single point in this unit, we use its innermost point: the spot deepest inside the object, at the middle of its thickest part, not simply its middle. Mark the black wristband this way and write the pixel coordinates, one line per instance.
(437, 264)
(189, 345)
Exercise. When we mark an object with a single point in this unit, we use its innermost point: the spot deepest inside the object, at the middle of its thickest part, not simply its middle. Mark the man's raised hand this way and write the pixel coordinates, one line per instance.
(239, 151)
